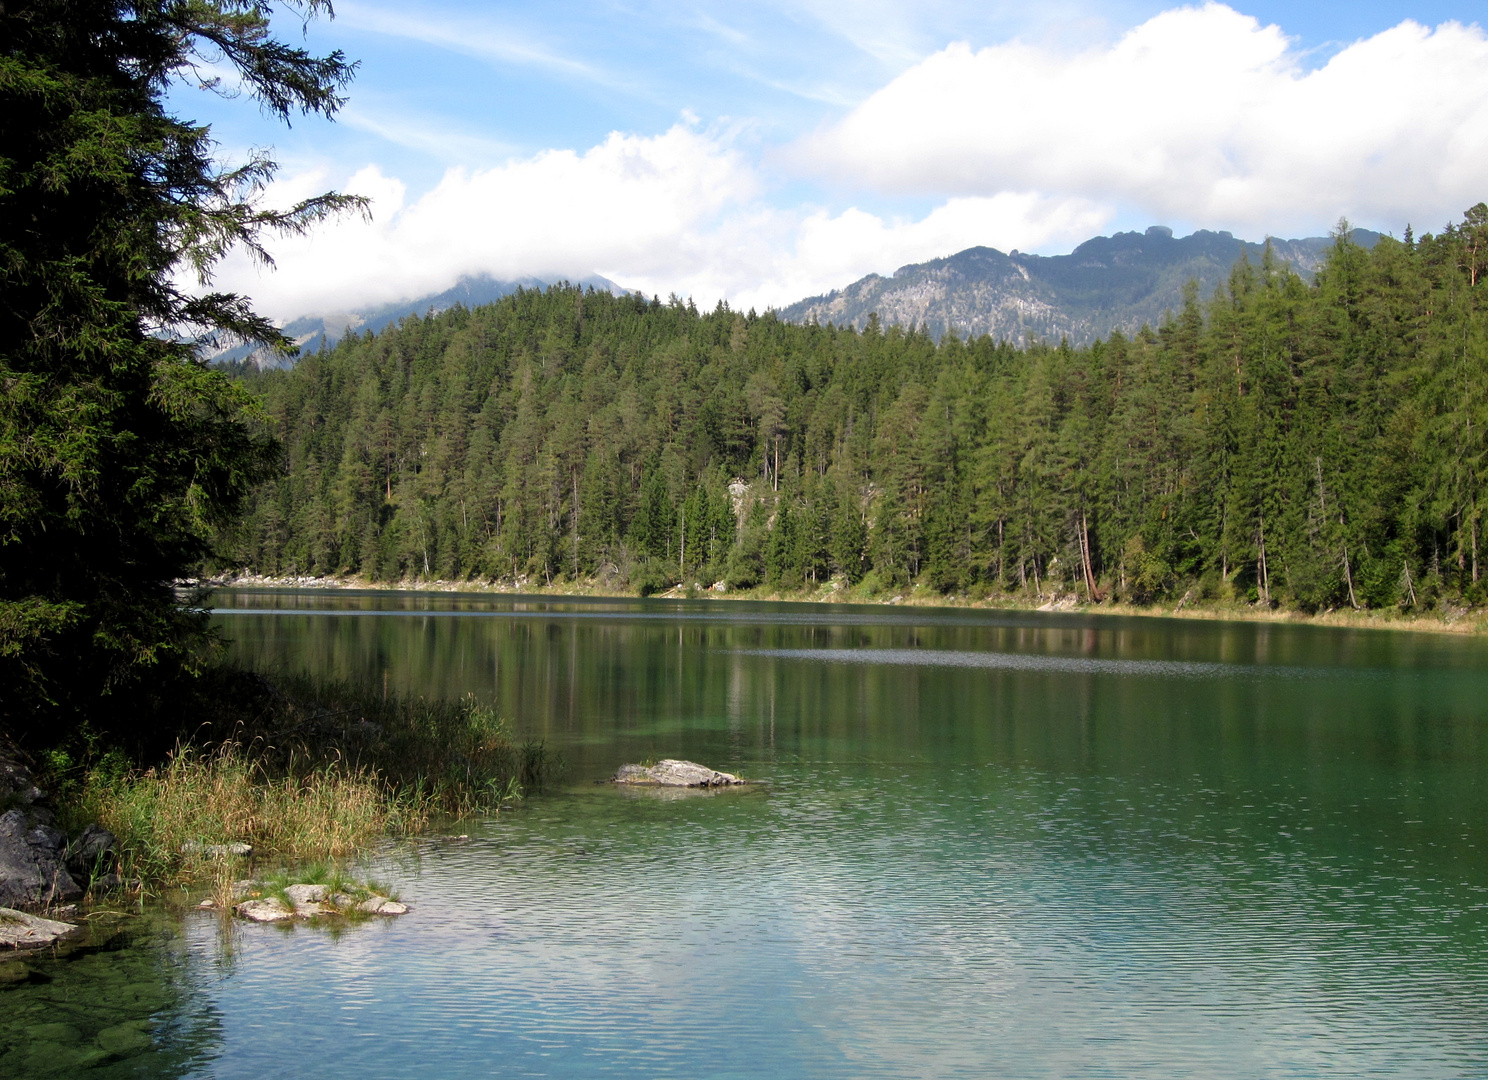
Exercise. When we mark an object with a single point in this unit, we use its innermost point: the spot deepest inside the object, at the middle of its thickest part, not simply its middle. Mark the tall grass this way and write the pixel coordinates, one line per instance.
(301, 768)
(164, 817)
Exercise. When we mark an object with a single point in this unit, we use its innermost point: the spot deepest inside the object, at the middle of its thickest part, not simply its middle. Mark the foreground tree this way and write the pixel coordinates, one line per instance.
(120, 449)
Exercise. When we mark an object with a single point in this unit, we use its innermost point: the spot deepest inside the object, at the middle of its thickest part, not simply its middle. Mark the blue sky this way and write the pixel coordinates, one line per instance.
(761, 151)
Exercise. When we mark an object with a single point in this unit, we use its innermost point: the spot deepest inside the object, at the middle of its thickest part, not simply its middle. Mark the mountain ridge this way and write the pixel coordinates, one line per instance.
(1108, 283)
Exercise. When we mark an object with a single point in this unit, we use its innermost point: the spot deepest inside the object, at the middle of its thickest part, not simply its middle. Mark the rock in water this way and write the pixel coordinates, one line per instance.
(381, 905)
(18, 930)
(670, 772)
(300, 895)
(271, 910)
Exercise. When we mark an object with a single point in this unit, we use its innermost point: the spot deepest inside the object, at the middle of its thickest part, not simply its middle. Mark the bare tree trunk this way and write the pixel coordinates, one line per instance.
(1474, 521)
(1265, 575)
(576, 519)
(1091, 592)
(1000, 564)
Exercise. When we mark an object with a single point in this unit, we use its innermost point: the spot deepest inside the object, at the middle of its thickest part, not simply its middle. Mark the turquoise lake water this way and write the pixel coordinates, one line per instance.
(982, 845)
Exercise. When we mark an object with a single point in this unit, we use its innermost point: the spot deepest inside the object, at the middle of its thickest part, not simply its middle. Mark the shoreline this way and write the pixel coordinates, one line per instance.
(1462, 621)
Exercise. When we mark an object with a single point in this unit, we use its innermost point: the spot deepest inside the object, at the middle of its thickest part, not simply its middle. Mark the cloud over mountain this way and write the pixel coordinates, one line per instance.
(1201, 115)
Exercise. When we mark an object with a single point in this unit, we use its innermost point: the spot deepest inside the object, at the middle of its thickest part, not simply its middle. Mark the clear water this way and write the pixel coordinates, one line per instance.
(984, 845)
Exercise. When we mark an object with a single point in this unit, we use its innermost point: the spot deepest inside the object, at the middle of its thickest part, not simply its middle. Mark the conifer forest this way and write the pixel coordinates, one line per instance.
(1297, 444)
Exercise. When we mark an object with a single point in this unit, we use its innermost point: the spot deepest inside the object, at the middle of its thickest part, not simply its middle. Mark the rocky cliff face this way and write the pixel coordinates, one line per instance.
(1109, 283)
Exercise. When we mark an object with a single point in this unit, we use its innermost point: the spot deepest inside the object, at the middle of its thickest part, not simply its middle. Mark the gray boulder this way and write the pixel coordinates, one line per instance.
(93, 853)
(33, 861)
(671, 772)
(33, 851)
(300, 895)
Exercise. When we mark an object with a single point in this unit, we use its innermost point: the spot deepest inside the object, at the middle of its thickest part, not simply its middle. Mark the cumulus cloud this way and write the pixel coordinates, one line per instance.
(677, 212)
(621, 205)
(1199, 115)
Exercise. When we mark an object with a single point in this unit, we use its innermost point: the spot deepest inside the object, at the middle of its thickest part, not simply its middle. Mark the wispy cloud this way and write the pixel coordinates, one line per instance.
(484, 40)
(434, 136)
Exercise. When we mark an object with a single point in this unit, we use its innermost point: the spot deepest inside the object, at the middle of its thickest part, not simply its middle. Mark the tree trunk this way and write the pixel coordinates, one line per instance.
(1091, 592)
(1265, 575)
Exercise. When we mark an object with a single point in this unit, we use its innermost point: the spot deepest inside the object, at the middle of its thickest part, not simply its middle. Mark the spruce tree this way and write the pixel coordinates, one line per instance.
(120, 449)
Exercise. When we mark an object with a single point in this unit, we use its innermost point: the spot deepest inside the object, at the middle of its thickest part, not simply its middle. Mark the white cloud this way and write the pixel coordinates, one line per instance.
(1200, 115)
(678, 212)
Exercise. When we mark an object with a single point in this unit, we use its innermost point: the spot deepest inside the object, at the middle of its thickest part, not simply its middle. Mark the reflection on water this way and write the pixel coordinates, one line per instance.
(981, 845)
(1079, 665)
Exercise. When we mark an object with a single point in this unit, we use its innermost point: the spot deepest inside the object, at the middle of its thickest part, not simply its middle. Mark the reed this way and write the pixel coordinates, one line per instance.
(167, 818)
(302, 769)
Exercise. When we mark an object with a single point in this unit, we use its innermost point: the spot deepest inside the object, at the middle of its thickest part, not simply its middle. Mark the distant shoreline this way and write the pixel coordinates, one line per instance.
(1455, 621)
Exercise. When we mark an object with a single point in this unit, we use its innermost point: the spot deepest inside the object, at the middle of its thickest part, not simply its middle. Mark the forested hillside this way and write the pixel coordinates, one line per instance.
(1312, 445)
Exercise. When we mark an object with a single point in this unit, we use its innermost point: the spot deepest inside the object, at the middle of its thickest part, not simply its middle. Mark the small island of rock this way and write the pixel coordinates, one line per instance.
(670, 772)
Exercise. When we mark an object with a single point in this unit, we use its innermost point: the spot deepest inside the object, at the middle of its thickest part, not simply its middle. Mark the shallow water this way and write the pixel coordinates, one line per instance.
(983, 844)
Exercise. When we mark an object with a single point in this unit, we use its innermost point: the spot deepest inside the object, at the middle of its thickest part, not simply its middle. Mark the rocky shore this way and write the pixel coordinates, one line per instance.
(42, 871)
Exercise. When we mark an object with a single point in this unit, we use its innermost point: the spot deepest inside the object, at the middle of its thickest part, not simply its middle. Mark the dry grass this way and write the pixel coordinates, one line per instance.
(300, 769)
(221, 797)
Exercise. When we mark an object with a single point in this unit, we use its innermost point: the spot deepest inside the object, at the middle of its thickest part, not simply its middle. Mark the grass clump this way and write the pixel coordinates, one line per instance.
(164, 818)
(296, 767)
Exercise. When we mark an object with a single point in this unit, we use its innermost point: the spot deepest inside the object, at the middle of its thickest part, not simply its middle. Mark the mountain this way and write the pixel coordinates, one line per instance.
(1108, 283)
(469, 291)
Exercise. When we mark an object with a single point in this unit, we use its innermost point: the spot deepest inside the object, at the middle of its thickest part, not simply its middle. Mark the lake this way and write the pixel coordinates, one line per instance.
(982, 844)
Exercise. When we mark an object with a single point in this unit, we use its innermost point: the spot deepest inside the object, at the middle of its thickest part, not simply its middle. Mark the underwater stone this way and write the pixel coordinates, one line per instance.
(125, 1039)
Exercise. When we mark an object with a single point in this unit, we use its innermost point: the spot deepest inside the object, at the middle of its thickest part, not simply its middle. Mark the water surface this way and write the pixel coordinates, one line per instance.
(984, 844)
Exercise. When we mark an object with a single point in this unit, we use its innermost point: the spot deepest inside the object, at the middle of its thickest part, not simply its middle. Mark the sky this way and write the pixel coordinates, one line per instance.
(759, 153)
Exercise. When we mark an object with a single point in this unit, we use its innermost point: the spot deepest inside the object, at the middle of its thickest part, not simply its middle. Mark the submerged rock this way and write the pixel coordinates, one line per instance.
(21, 930)
(671, 772)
